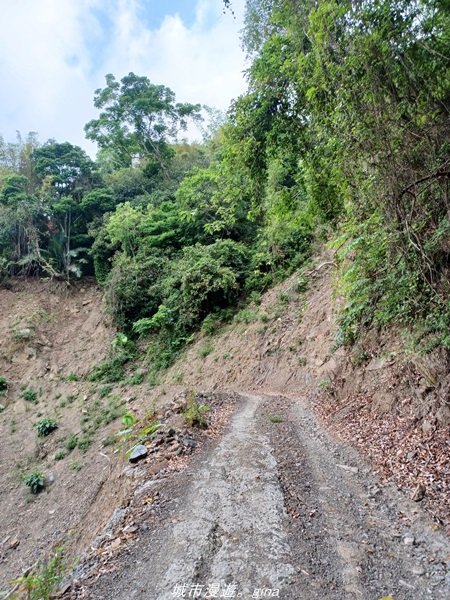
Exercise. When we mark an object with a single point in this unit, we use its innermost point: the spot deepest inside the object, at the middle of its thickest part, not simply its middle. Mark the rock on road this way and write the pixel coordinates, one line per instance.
(276, 508)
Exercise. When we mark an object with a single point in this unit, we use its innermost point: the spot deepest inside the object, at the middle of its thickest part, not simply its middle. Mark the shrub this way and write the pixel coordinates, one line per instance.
(43, 584)
(247, 316)
(45, 427)
(35, 481)
(29, 395)
(110, 370)
(205, 350)
(194, 413)
(3, 384)
(71, 442)
(84, 442)
(60, 455)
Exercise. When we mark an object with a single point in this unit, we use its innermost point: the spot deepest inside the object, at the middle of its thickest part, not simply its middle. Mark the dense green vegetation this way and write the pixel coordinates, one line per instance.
(343, 135)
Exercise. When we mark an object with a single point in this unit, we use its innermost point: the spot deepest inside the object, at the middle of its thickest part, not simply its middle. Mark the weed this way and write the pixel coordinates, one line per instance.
(136, 379)
(72, 377)
(84, 442)
(128, 419)
(45, 427)
(247, 316)
(13, 425)
(105, 391)
(76, 466)
(35, 481)
(110, 440)
(325, 386)
(255, 297)
(301, 361)
(71, 442)
(98, 414)
(22, 334)
(276, 419)
(30, 396)
(120, 341)
(210, 325)
(264, 318)
(3, 384)
(153, 377)
(205, 350)
(43, 584)
(60, 454)
(359, 357)
(283, 298)
(112, 369)
(302, 284)
(194, 413)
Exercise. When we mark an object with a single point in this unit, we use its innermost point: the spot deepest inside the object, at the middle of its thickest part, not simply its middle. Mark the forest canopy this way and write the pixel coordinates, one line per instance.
(343, 135)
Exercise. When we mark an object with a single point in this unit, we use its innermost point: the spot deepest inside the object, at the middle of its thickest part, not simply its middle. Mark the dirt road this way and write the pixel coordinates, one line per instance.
(276, 508)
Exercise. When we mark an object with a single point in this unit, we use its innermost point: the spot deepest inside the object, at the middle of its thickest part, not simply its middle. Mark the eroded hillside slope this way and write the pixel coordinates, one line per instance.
(50, 337)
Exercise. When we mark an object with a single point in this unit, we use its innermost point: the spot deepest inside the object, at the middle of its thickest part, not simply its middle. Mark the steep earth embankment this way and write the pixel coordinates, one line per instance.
(50, 337)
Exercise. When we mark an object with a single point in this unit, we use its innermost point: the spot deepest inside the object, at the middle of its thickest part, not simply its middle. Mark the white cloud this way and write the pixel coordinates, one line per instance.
(49, 70)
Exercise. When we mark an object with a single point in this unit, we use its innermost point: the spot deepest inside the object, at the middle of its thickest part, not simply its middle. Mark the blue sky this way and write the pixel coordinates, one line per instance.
(55, 53)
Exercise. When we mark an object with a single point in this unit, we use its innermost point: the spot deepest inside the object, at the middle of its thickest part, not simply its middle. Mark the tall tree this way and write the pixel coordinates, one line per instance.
(138, 121)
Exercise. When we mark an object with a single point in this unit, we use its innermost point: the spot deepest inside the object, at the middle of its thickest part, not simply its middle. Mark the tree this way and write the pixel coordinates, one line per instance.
(67, 174)
(138, 120)
(67, 168)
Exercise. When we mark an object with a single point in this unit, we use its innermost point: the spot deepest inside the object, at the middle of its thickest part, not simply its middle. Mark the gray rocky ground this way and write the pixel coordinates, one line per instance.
(277, 508)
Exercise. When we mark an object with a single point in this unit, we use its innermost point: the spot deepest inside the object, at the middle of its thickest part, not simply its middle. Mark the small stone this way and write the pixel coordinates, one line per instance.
(139, 452)
(418, 571)
(171, 432)
(190, 443)
(427, 426)
(409, 540)
(419, 493)
(14, 543)
(130, 529)
(347, 468)
(2, 407)
(412, 454)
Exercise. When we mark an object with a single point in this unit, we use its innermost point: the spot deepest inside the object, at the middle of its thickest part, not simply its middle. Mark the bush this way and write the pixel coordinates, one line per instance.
(206, 278)
(45, 427)
(60, 455)
(71, 442)
(130, 291)
(43, 584)
(194, 413)
(29, 395)
(205, 350)
(35, 481)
